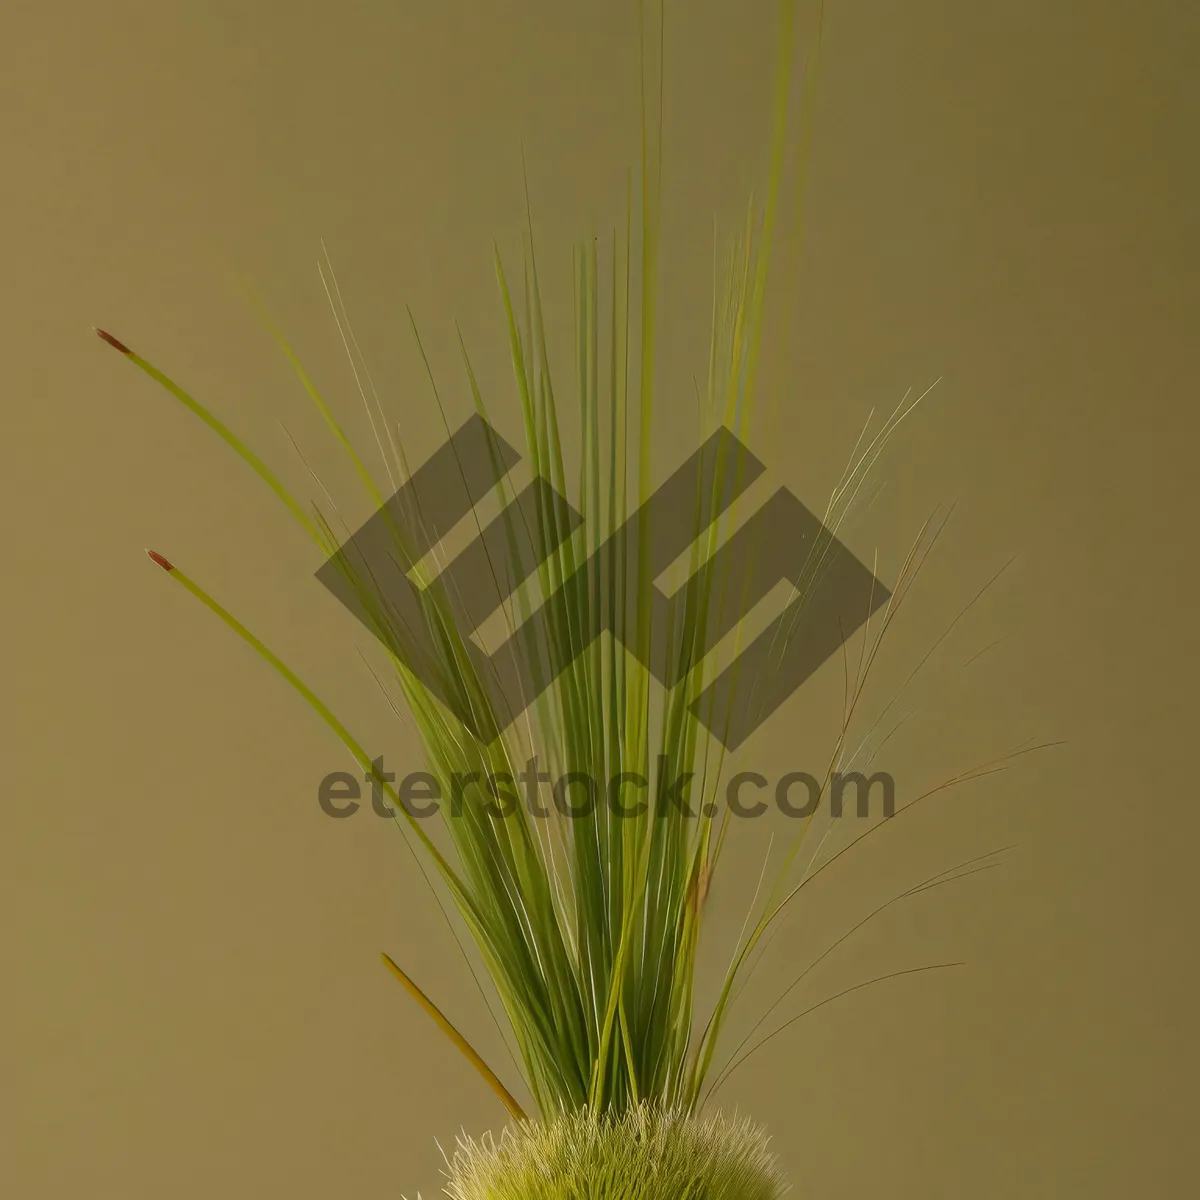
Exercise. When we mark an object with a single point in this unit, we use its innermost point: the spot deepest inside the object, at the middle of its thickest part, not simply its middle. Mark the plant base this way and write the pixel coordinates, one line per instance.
(644, 1154)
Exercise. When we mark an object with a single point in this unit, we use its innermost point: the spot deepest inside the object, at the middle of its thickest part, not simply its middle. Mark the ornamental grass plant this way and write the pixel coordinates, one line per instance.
(588, 925)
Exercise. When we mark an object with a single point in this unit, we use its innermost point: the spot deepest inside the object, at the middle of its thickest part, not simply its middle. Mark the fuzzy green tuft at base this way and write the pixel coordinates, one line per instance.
(646, 1153)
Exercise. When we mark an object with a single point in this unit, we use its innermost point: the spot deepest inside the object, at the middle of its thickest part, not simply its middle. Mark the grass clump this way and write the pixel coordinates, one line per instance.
(588, 928)
(646, 1152)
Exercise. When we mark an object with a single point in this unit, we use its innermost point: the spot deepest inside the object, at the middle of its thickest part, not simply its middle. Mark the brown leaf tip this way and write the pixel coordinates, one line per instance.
(112, 341)
(162, 562)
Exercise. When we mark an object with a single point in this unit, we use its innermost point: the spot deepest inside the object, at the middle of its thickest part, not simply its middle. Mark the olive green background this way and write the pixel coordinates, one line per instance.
(1003, 196)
